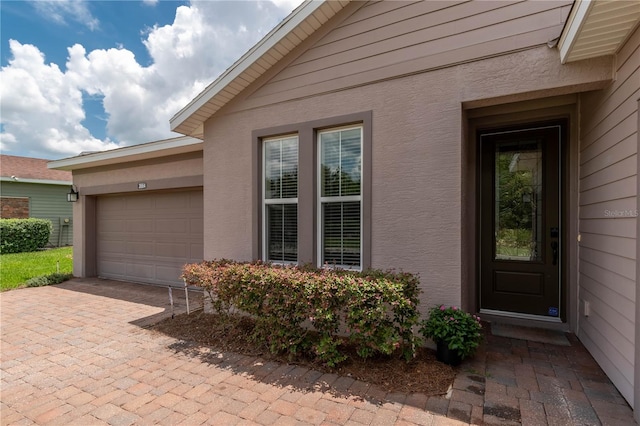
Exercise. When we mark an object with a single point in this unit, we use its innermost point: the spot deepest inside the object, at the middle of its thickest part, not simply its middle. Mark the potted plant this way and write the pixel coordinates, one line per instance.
(457, 333)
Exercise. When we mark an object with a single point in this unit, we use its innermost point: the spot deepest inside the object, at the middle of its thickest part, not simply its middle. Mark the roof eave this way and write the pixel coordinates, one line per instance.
(150, 150)
(575, 21)
(597, 28)
(39, 181)
(184, 121)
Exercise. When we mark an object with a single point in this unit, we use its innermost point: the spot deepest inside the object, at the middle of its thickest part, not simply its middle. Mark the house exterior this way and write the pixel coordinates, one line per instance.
(141, 211)
(28, 188)
(490, 147)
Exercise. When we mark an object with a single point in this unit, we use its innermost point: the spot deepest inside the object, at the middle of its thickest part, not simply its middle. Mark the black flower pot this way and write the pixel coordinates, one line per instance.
(446, 355)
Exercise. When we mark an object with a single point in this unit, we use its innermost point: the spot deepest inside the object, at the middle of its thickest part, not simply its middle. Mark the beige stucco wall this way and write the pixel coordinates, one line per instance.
(416, 167)
(177, 166)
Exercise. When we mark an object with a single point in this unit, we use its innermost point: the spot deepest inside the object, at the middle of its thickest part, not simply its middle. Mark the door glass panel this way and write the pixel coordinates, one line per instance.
(518, 201)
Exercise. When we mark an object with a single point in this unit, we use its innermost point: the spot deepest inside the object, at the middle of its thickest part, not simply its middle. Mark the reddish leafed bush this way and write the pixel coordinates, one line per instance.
(305, 309)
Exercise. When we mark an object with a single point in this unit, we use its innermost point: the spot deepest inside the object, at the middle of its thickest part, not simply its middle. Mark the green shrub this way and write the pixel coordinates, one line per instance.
(302, 309)
(37, 281)
(55, 278)
(459, 330)
(24, 235)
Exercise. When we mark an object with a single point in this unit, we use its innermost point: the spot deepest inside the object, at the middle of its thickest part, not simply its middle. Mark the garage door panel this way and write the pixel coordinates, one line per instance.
(149, 237)
(196, 201)
(139, 202)
(113, 225)
(174, 226)
(164, 272)
(173, 201)
(141, 225)
(196, 252)
(115, 205)
(174, 250)
(196, 226)
(114, 268)
(141, 271)
(140, 249)
(110, 247)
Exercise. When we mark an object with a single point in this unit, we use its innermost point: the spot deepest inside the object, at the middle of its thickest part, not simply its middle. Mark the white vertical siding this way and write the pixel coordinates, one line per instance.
(608, 203)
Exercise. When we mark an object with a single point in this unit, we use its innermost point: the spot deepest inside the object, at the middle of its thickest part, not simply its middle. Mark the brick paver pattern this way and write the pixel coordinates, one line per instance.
(79, 353)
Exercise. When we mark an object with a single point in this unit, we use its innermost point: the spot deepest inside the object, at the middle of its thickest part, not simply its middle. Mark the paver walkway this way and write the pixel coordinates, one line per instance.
(78, 354)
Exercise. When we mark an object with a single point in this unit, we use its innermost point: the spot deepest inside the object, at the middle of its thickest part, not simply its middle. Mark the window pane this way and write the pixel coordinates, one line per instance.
(289, 169)
(518, 201)
(272, 169)
(282, 232)
(341, 162)
(341, 233)
(330, 164)
(281, 168)
(281, 183)
(351, 161)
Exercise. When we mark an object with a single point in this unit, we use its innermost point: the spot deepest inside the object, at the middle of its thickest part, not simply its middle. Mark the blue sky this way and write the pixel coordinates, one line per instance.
(92, 75)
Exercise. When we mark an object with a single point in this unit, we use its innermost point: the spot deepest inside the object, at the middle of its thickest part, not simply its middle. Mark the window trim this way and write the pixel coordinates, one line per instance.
(307, 200)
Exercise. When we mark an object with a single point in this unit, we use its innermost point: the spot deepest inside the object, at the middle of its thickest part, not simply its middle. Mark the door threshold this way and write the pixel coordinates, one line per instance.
(528, 320)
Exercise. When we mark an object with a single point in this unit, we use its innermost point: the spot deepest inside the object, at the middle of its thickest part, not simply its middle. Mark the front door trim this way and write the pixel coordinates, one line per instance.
(561, 187)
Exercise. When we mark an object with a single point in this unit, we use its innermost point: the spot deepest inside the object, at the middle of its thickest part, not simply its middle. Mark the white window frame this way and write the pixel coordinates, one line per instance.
(270, 201)
(348, 198)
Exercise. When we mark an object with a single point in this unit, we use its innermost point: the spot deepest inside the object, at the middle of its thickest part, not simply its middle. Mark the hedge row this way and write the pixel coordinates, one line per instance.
(43, 280)
(304, 309)
(24, 235)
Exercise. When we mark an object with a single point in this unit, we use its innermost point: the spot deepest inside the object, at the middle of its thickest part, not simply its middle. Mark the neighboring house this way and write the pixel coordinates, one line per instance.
(28, 188)
(490, 147)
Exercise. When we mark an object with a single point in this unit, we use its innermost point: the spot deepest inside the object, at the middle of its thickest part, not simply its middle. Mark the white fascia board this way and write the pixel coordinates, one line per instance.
(571, 31)
(269, 41)
(129, 153)
(40, 181)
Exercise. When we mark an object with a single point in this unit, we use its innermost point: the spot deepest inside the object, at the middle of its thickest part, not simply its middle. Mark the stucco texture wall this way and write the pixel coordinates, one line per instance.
(417, 133)
(154, 169)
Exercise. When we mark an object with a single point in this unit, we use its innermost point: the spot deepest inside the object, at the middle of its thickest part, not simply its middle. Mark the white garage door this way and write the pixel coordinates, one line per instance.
(148, 237)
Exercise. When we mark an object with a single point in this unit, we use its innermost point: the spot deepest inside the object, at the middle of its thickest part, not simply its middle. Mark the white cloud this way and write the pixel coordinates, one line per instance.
(150, 2)
(288, 5)
(41, 108)
(42, 105)
(61, 11)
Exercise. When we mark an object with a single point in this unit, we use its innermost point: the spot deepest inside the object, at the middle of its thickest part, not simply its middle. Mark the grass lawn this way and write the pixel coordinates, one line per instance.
(16, 268)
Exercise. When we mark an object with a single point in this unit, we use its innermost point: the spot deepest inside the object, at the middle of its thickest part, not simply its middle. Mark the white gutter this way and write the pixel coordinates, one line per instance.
(42, 181)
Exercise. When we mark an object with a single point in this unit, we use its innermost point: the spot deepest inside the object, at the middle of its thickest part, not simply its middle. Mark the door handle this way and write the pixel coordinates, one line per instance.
(554, 251)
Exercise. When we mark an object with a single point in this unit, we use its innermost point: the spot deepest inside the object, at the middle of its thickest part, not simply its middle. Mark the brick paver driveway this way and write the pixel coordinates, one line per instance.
(79, 353)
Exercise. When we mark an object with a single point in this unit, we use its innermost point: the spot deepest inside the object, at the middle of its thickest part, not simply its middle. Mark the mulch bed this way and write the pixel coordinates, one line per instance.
(424, 374)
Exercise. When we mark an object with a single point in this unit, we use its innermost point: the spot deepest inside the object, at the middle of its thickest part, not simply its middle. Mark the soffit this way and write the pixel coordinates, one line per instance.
(292, 31)
(597, 28)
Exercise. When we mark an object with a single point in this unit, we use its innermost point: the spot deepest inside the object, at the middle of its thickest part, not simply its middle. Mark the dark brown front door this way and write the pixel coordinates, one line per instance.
(520, 221)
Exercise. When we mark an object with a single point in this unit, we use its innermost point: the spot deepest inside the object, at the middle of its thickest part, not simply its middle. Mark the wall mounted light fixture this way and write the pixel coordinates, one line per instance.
(73, 194)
